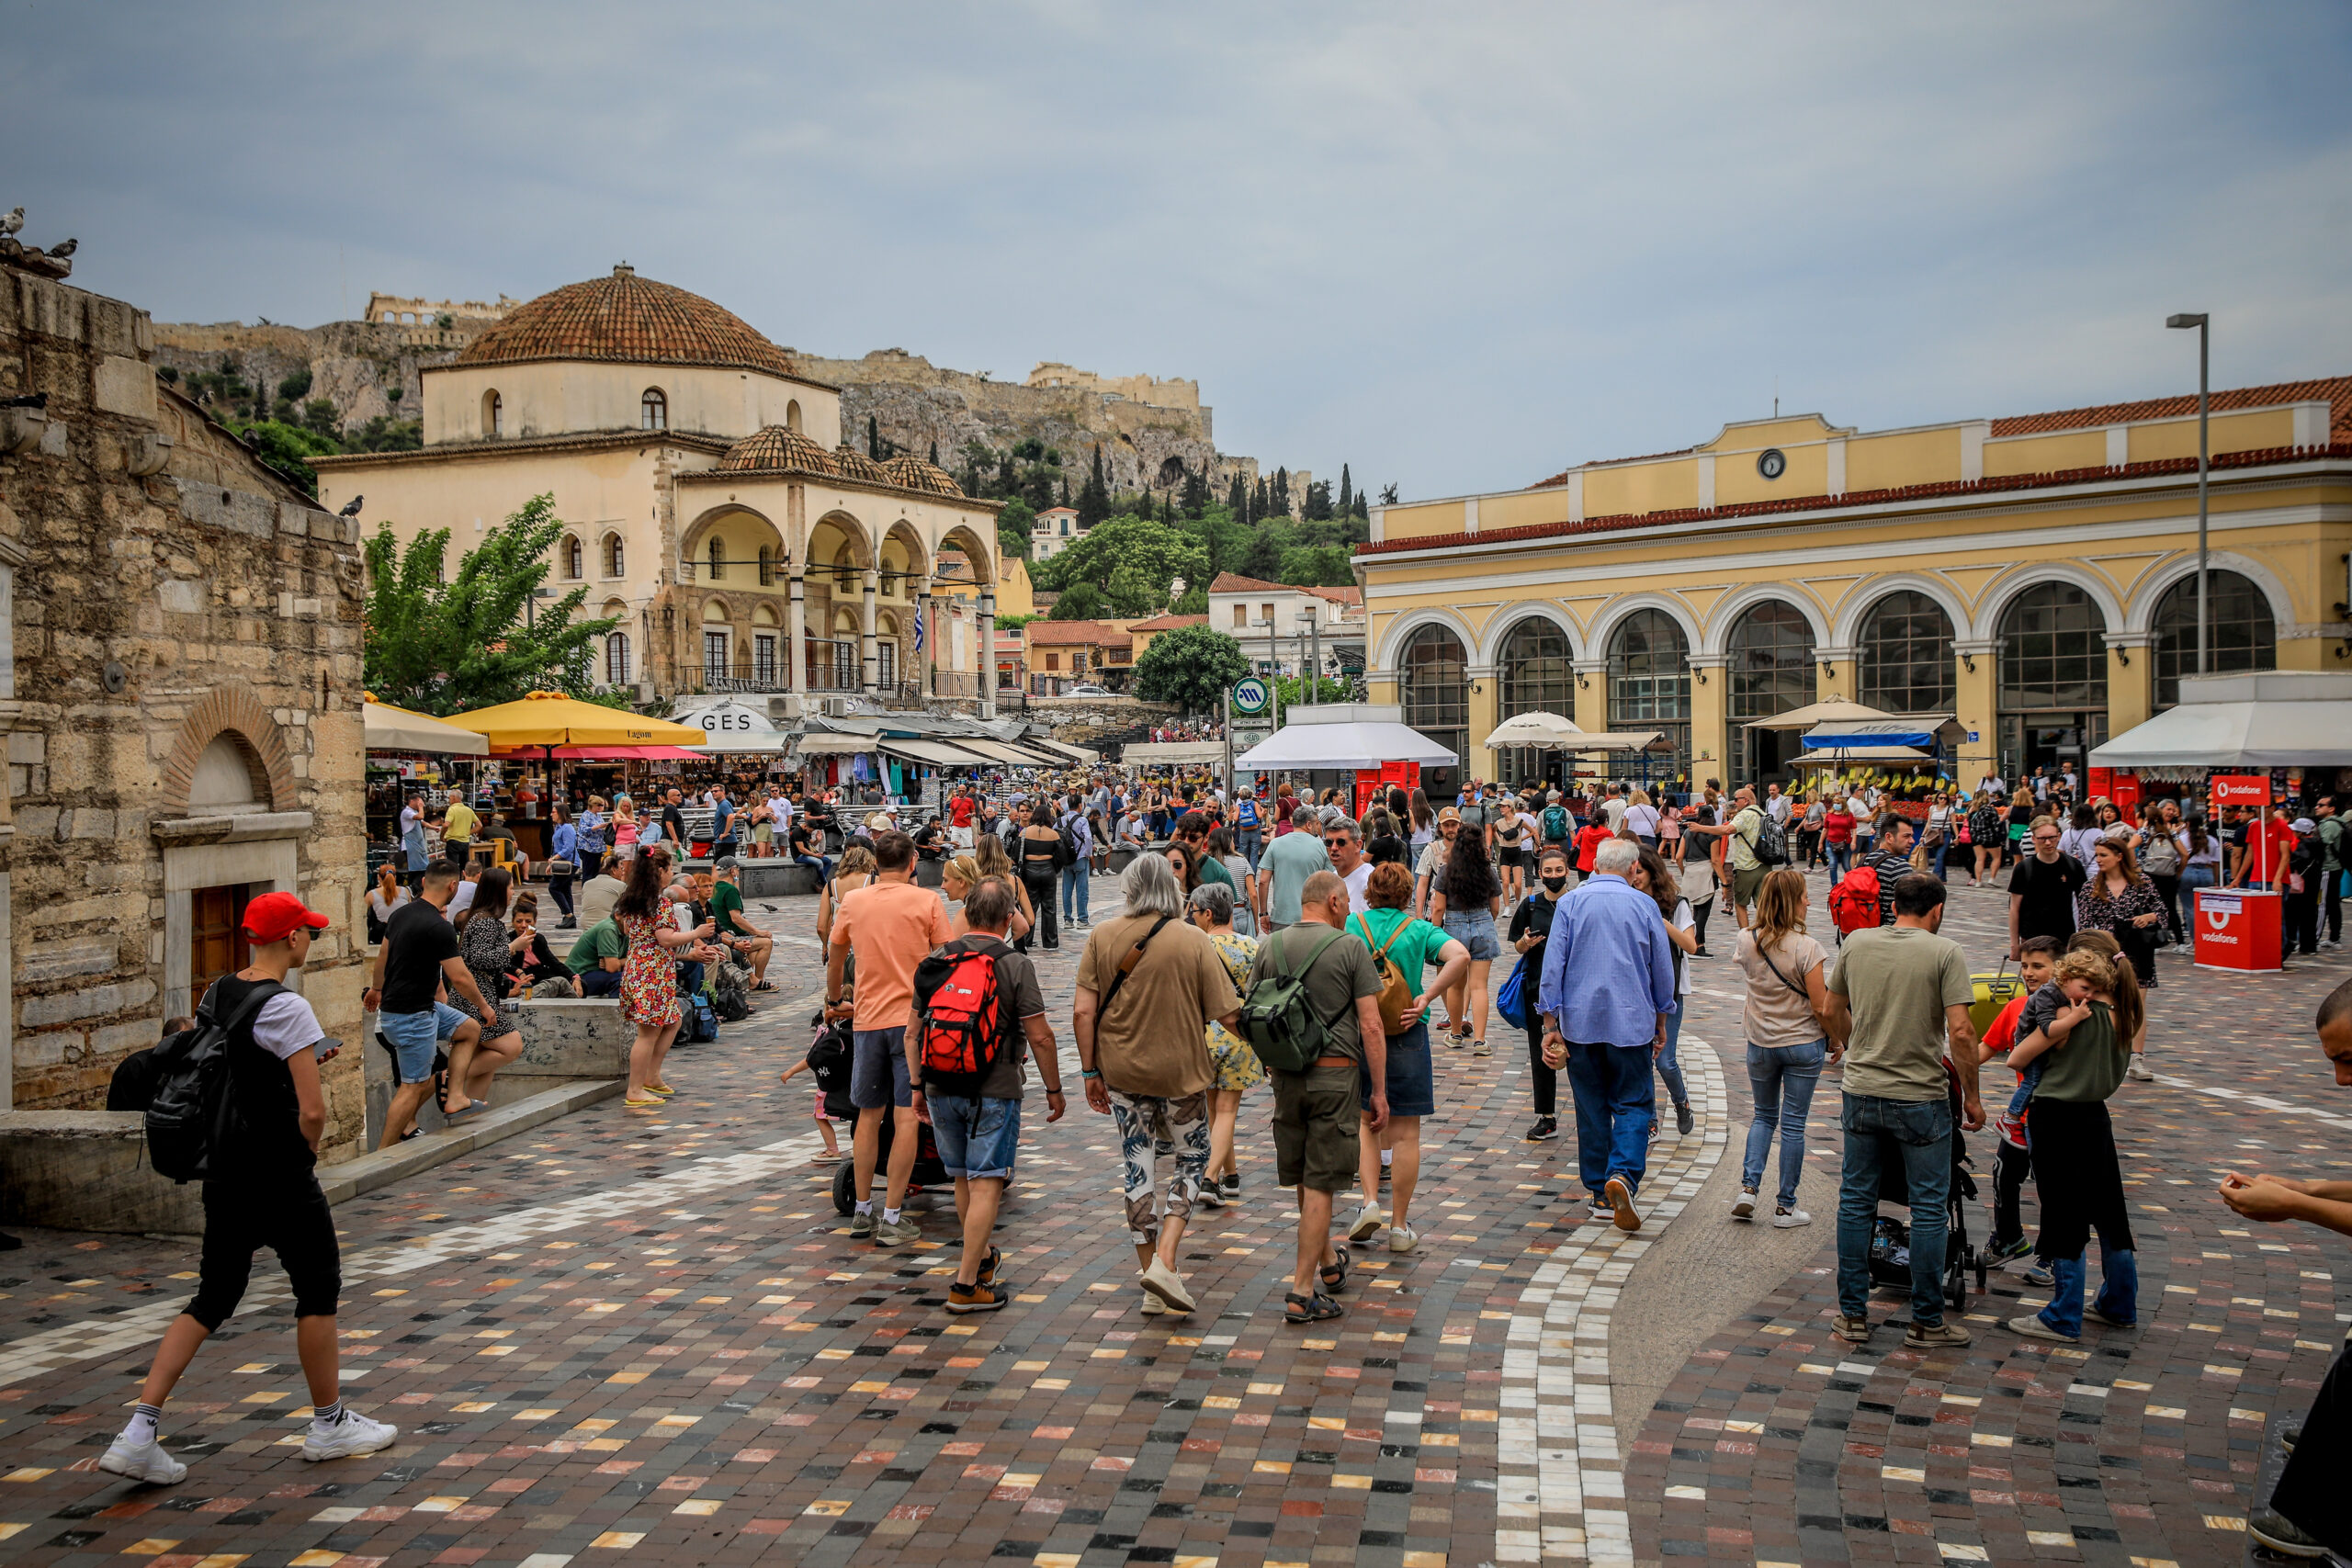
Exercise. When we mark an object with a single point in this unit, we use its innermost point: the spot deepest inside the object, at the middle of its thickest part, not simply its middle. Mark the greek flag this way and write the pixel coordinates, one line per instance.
(920, 619)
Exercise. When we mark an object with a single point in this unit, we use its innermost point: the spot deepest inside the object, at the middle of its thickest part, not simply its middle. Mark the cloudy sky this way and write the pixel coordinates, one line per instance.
(1459, 247)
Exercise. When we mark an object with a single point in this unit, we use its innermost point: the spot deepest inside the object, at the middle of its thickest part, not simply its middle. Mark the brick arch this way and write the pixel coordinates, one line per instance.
(236, 712)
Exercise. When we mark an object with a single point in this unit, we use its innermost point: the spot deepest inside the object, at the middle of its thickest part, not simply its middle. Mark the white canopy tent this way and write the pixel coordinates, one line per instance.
(388, 729)
(2267, 719)
(1343, 737)
(1172, 753)
(1837, 710)
(734, 726)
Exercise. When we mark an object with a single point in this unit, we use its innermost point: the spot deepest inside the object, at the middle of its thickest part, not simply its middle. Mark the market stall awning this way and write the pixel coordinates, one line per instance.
(2282, 719)
(390, 728)
(1837, 710)
(731, 727)
(1365, 743)
(1169, 753)
(550, 718)
(1580, 742)
(828, 743)
(936, 753)
(1080, 755)
(606, 753)
(1861, 754)
(1926, 732)
(1006, 752)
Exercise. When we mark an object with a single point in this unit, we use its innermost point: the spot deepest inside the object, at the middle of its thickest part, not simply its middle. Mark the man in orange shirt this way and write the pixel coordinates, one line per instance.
(891, 925)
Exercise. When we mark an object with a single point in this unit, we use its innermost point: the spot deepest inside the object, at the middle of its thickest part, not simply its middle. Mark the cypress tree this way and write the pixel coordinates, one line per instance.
(1236, 498)
(872, 439)
(935, 454)
(1347, 492)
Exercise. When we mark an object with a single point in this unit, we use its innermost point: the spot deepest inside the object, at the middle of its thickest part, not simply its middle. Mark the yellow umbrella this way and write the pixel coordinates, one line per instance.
(550, 718)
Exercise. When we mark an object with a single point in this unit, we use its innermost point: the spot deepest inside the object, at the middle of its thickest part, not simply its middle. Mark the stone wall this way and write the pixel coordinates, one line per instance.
(162, 598)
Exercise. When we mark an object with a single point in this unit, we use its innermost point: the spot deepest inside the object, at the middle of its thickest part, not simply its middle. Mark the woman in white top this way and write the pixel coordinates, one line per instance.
(1654, 876)
(1641, 818)
(386, 896)
(1787, 1044)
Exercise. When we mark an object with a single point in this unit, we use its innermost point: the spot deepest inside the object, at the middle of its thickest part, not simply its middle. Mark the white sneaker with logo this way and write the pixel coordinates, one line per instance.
(144, 1461)
(347, 1439)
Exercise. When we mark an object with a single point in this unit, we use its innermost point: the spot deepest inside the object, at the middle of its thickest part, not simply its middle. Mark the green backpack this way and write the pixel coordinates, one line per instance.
(1278, 1020)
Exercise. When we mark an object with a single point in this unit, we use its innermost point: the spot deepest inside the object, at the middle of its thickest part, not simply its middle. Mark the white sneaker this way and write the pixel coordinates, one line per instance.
(1744, 1206)
(1789, 1219)
(1369, 1218)
(145, 1461)
(1403, 1238)
(2137, 1070)
(1163, 1281)
(1152, 1306)
(352, 1435)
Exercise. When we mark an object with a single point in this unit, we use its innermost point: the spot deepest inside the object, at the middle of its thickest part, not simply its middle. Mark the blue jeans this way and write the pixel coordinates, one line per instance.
(1074, 881)
(1782, 1078)
(1249, 841)
(2118, 1290)
(818, 863)
(1616, 1103)
(1920, 1134)
(1669, 1066)
(1841, 860)
(1941, 851)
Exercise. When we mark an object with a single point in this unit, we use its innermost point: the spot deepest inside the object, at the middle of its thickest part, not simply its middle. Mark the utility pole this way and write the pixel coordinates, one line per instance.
(2204, 325)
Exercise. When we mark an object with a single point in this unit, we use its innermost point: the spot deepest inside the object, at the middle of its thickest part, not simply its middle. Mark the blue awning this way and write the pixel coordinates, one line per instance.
(1923, 735)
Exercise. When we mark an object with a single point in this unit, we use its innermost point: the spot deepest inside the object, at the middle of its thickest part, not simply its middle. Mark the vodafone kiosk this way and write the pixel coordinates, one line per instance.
(2238, 928)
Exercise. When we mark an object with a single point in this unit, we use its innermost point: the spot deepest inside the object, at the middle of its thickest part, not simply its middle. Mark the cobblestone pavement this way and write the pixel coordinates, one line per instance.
(629, 1334)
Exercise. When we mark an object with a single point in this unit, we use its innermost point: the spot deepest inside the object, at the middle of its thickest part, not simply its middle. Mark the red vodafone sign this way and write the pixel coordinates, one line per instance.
(2241, 789)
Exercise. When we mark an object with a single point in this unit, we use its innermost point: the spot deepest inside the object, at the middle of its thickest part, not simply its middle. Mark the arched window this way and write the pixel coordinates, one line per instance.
(1771, 661)
(768, 566)
(718, 557)
(494, 414)
(792, 414)
(1649, 680)
(1537, 676)
(617, 658)
(653, 410)
(2053, 650)
(1433, 678)
(613, 556)
(2240, 631)
(573, 557)
(1904, 653)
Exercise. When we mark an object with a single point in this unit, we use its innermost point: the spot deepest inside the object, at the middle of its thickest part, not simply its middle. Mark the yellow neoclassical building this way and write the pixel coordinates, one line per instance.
(2033, 576)
(716, 512)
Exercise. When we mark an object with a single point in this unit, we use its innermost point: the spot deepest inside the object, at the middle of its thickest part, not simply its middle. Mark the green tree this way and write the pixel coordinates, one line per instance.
(1315, 565)
(1194, 601)
(872, 439)
(1347, 491)
(1093, 496)
(1131, 590)
(1080, 602)
(447, 646)
(1190, 666)
(1291, 690)
(1014, 527)
(1160, 554)
(288, 449)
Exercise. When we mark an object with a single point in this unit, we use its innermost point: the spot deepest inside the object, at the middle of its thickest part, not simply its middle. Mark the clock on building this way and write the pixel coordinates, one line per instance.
(1772, 462)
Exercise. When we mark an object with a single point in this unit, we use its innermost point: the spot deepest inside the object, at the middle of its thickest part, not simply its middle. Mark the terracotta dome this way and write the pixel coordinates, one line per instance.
(853, 463)
(626, 320)
(775, 448)
(913, 473)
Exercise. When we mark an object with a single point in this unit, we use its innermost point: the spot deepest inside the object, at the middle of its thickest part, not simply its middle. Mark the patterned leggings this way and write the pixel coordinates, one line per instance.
(1145, 1122)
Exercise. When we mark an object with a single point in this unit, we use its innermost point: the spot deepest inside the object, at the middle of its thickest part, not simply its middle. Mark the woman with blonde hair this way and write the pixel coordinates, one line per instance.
(1787, 1041)
(625, 827)
(957, 878)
(856, 870)
(993, 859)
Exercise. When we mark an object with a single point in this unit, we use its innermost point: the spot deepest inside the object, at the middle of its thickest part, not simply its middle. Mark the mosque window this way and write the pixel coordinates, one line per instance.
(613, 555)
(572, 558)
(768, 566)
(718, 557)
(616, 660)
(792, 414)
(493, 413)
(653, 410)
(2240, 632)
(1905, 655)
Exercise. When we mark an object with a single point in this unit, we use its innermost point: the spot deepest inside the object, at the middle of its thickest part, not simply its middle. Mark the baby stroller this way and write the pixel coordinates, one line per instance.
(1890, 1260)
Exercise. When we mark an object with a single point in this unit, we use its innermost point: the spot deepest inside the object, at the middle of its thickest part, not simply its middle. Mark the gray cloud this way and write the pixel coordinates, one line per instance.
(1458, 247)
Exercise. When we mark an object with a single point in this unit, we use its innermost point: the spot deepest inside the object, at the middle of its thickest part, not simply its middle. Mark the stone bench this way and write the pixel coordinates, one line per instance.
(565, 1041)
(778, 879)
(87, 1170)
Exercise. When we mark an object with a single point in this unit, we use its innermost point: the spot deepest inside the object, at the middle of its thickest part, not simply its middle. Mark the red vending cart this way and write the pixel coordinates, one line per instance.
(2238, 928)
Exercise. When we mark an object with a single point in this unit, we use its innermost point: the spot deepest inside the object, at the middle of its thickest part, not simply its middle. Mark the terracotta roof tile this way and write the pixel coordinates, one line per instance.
(1169, 623)
(1091, 634)
(853, 463)
(2334, 390)
(626, 320)
(913, 473)
(1234, 582)
(773, 448)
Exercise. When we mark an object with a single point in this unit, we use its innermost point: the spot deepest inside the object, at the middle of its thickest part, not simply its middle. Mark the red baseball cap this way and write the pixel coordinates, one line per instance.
(274, 917)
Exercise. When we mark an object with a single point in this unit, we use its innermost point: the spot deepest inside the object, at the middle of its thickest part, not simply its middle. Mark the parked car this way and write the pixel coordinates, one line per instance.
(1085, 690)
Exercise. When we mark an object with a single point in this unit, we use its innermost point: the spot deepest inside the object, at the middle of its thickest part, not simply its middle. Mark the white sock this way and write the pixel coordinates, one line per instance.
(142, 1430)
(1388, 1157)
(865, 1205)
(324, 1418)
(889, 1216)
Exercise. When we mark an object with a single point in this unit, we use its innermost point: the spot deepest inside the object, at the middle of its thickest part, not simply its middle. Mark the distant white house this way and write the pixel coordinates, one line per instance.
(1271, 621)
(1056, 527)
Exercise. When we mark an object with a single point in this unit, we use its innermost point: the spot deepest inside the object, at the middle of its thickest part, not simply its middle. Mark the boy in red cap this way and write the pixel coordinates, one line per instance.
(260, 1191)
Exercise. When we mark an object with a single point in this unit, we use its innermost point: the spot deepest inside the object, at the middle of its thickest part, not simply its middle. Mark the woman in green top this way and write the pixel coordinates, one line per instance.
(2088, 1046)
(1237, 1068)
(1397, 936)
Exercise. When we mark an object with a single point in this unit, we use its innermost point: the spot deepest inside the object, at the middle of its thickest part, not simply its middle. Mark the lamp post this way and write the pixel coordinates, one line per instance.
(2204, 325)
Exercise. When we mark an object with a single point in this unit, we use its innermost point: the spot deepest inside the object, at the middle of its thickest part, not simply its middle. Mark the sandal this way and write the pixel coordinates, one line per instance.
(764, 986)
(471, 1108)
(1317, 1308)
(1340, 1268)
(664, 1090)
(651, 1103)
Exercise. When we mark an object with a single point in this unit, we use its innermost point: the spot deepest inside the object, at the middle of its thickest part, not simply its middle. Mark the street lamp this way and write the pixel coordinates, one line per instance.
(2204, 325)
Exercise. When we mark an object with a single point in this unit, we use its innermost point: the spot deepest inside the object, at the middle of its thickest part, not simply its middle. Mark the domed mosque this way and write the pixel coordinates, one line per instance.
(713, 510)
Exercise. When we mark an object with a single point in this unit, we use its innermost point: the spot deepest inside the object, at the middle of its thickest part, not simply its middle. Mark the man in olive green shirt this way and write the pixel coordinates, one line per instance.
(1898, 997)
(596, 959)
(749, 945)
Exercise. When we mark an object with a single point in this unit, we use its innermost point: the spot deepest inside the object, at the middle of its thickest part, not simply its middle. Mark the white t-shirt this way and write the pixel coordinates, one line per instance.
(1614, 809)
(1683, 920)
(1642, 819)
(1356, 880)
(780, 810)
(286, 1024)
(384, 911)
(459, 901)
(1777, 805)
(1859, 810)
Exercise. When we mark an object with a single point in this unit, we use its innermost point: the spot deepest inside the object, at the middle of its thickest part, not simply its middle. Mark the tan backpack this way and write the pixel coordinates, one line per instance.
(1396, 992)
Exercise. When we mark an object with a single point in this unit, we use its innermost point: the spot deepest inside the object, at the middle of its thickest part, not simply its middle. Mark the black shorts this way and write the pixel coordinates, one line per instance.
(287, 1214)
(1511, 855)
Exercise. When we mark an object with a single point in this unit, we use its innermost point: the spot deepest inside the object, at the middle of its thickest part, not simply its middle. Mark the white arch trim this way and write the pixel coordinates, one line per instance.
(1612, 615)
(1501, 625)
(1846, 630)
(1737, 604)
(1401, 629)
(2000, 594)
(2161, 580)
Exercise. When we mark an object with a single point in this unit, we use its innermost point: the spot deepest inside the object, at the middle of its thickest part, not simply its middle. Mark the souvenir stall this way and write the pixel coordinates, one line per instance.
(408, 751)
(1903, 757)
(1586, 756)
(1342, 745)
(559, 733)
(2257, 739)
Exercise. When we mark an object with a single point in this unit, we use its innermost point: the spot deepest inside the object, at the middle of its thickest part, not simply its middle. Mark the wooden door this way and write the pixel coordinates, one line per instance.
(217, 940)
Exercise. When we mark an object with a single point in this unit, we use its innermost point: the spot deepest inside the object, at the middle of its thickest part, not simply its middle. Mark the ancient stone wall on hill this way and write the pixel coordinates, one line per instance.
(353, 364)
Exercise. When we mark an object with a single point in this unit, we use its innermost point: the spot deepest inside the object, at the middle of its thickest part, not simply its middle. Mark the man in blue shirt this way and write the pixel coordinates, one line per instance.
(1606, 991)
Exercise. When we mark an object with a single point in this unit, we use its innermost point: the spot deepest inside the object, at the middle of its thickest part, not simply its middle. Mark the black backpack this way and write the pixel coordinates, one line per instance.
(829, 1059)
(192, 1111)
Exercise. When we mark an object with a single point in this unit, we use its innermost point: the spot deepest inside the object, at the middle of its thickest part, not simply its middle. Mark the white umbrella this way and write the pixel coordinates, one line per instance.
(389, 728)
(1365, 743)
(1533, 730)
(1837, 710)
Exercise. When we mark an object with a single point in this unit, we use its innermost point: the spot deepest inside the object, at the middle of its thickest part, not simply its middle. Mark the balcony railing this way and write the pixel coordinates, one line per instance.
(954, 683)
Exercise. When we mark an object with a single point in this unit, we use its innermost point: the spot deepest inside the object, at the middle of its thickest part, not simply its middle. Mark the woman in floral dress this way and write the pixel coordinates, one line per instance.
(649, 979)
(1236, 1066)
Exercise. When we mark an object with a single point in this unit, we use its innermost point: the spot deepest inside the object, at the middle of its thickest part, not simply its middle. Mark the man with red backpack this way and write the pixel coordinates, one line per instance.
(1864, 897)
(977, 1004)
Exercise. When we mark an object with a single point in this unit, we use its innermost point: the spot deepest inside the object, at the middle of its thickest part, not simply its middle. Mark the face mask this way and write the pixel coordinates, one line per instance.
(1554, 883)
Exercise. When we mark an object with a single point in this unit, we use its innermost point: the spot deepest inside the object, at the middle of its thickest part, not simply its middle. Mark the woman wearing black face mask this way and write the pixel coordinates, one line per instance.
(1531, 925)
